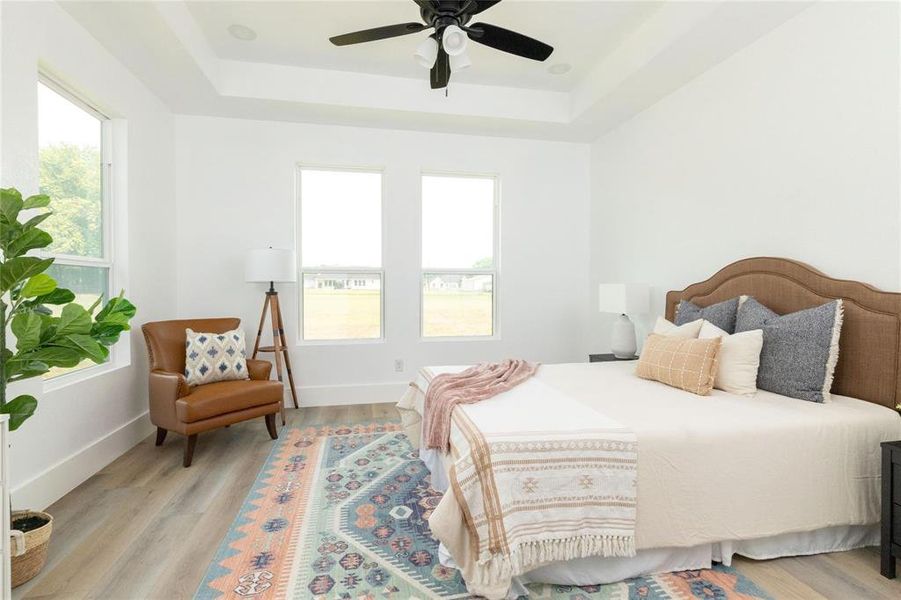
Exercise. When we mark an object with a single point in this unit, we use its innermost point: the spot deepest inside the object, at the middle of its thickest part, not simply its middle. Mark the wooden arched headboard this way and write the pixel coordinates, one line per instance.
(869, 364)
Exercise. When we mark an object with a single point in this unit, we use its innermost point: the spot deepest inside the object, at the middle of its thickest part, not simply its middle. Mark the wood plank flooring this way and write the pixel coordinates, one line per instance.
(144, 527)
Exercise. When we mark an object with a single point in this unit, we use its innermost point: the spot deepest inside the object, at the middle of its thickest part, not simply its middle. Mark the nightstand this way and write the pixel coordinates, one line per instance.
(607, 358)
(891, 507)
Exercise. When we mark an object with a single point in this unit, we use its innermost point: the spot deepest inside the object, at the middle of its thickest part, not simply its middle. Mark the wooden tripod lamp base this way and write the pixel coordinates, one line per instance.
(271, 265)
(279, 345)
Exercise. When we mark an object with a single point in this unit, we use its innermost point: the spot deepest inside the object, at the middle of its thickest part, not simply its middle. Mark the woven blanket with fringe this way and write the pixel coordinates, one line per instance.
(540, 477)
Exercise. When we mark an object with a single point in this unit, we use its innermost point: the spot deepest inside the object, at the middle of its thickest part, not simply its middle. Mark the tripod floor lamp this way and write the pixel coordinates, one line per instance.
(272, 265)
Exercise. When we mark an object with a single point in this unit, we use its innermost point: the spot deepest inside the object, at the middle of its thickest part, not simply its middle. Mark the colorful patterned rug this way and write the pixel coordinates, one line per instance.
(342, 512)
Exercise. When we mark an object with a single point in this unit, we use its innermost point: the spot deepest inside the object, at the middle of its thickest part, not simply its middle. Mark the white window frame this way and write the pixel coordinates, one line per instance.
(494, 271)
(113, 185)
(349, 270)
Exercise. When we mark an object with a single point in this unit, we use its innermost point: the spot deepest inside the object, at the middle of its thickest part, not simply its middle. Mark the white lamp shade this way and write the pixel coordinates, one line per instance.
(270, 264)
(454, 40)
(426, 52)
(458, 62)
(624, 298)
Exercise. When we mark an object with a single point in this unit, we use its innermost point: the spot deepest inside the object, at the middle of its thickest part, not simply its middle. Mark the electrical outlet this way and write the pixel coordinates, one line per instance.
(398, 365)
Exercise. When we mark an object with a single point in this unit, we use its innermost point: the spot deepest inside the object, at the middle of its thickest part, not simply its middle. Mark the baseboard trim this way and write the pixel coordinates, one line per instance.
(47, 487)
(342, 395)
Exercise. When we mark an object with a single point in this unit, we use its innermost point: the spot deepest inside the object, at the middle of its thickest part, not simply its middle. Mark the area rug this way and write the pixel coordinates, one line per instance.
(342, 512)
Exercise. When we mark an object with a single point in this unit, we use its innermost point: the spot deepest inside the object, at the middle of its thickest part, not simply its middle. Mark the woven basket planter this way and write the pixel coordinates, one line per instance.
(28, 565)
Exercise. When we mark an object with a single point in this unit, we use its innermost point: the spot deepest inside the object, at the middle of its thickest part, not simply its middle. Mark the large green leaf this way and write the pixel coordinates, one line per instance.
(56, 297)
(30, 239)
(19, 409)
(10, 205)
(8, 232)
(108, 334)
(36, 201)
(85, 344)
(73, 319)
(38, 285)
(36, 220)
(112, 320)
(18, 370)
(17, 270)
(54, 356)
(26, 326)
(117, 308)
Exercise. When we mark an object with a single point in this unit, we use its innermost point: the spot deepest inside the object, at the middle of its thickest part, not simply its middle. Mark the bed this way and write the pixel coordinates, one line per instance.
(762, 476)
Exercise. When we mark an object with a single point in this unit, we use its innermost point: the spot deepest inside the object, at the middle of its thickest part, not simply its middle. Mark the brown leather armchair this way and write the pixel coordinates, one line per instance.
(174, 406)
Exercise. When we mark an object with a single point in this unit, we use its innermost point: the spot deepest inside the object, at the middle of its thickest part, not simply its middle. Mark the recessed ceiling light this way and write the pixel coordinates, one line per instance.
(242, 32)
(559, 68)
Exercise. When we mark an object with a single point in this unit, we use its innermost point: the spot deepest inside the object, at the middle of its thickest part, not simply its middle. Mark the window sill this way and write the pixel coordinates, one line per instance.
(461, 338)
(306, 343)
(63, 381)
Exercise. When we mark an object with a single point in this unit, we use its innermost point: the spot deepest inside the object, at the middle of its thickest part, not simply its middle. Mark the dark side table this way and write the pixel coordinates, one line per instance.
(891, 507)
(607, 358)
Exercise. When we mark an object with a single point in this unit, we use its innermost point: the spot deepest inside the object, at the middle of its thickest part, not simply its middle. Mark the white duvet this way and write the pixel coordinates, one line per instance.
(727, 467)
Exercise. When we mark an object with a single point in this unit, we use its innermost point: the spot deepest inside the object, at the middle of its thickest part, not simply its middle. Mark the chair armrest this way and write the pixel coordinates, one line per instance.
(258, 369)
(166, 385)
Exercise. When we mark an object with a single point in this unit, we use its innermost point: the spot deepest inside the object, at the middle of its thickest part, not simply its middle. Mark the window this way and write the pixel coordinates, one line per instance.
(341, 254)
(74, 172)
(459, 256)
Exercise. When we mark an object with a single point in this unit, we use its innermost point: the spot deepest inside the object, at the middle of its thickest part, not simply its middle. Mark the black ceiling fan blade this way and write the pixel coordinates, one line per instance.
(440, 73)
(509, 41)
(377, 33)
(428, 5)
(483, 5)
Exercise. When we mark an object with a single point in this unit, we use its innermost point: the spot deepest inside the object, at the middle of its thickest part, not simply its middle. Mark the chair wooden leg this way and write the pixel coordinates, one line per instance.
(189, 449)
(160, 435)
(270, 425)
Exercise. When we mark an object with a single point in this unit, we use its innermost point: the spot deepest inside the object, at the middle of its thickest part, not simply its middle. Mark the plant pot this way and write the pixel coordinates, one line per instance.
(27, 565)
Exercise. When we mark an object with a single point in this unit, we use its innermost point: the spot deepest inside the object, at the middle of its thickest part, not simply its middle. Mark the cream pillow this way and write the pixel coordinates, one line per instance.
(687, 331)
(739, 358)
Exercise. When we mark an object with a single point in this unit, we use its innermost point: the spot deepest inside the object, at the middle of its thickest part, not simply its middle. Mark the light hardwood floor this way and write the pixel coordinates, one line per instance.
(144, 527)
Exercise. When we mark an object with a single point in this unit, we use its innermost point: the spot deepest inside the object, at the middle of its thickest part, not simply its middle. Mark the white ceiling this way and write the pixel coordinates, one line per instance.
(625, 56)
(296, 33)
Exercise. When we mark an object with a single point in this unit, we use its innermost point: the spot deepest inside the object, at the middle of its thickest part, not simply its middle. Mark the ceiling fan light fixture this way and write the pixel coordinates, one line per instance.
(454, 40)
(426, 53)
(461, 61)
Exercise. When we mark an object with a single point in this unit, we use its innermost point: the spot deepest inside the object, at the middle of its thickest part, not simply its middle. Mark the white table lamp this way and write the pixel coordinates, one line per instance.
(271, 265)
(623, 299)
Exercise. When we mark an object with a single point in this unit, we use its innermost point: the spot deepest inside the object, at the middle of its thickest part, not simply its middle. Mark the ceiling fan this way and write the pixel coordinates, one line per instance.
(444, 49)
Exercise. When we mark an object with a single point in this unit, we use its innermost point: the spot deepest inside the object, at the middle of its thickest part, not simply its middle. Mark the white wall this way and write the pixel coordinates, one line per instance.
(788, 148)
(235, 191)
(80, 428)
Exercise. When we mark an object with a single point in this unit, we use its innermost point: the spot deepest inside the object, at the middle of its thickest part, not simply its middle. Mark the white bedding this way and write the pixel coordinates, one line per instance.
(730, 468)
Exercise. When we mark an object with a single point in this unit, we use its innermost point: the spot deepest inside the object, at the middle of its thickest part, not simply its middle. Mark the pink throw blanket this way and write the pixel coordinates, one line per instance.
(475, 384)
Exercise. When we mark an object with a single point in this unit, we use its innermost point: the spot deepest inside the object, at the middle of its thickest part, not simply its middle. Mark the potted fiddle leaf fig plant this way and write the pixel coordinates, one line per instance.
(50, 330)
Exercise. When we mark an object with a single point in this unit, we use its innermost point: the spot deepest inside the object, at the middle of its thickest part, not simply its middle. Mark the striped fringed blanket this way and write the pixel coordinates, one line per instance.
(538, 477)
(475, 384)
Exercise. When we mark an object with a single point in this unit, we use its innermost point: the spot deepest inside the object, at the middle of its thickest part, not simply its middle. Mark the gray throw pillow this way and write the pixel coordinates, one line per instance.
(800, 349)
(721, 314)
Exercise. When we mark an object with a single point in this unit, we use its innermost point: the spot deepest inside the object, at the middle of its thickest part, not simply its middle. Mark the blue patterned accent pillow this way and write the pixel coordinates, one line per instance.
(800, 349)
(211, 357)
(721, 314)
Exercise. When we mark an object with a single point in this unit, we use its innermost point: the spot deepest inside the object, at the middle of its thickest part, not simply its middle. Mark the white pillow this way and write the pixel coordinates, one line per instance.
(687, 331)
(739, 358)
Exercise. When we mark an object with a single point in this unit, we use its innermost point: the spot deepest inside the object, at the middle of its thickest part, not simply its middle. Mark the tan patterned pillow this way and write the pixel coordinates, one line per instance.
(683, 363)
